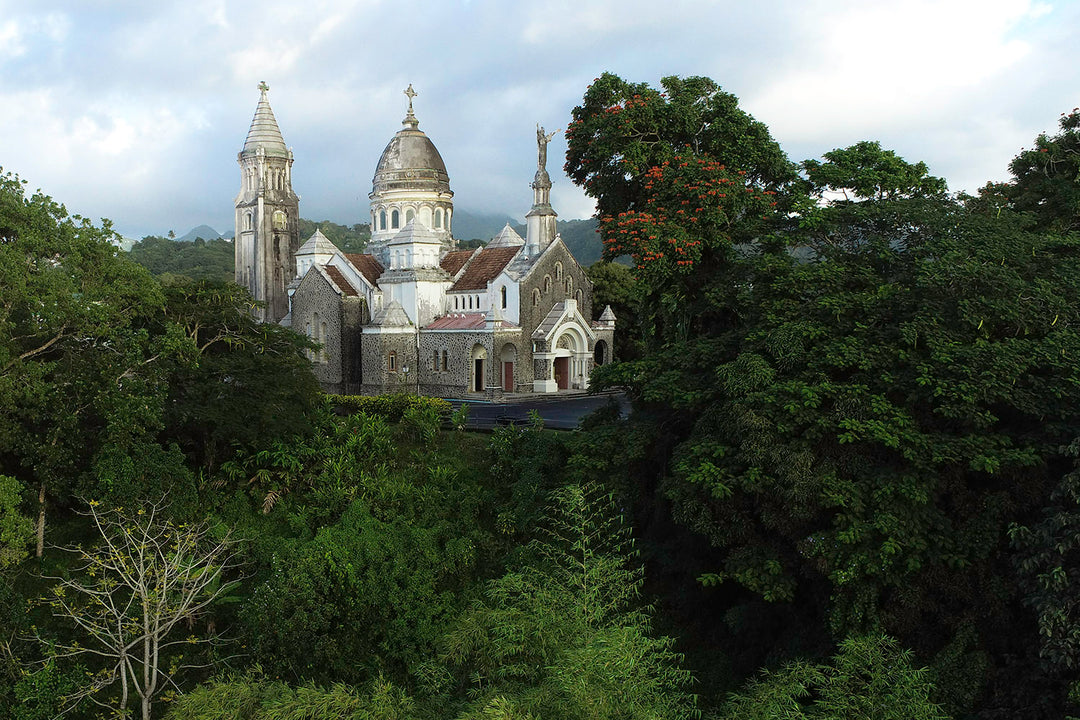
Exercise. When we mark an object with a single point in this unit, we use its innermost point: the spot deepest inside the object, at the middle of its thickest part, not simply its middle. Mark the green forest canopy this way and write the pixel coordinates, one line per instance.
(848, 487)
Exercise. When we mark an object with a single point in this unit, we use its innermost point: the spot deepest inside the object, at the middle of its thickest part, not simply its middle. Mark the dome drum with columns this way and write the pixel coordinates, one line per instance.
(414, 313)
(410, 183)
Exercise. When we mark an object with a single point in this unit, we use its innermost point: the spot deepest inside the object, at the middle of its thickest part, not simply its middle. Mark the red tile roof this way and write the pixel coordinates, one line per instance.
(454, 261)
(484, 268)
(455, 321)
(368, 266)
(340, 281)
(464, 321)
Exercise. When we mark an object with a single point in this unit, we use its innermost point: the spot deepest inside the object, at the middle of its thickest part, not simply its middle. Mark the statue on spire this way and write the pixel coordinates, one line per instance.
(542, 141)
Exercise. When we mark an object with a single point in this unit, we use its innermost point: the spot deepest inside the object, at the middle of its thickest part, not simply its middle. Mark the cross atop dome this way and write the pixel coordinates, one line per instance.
(410, 120)
(263, 87)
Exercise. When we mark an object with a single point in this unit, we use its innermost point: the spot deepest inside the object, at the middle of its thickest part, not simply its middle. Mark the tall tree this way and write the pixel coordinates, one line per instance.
(133, 594)
(1046, 178)
(565, 637)
(853, 425)
(75, 365)
(622, 129)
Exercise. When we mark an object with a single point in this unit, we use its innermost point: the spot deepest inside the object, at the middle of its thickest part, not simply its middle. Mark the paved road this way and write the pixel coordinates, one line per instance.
(561, 414)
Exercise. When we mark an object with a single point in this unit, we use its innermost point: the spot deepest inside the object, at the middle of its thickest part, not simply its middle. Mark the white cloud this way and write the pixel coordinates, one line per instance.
(884, 65)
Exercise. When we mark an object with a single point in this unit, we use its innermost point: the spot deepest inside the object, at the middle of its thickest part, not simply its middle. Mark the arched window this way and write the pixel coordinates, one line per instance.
(470, 302)
(536, 297)
(438, 218)
(395, 220)
(577, 296)
(409, 215)
(281, 220)
(445, 360)
(455, 302)
(502, 292)
(547, 283)
(435, 360)
(247, 221)
(569, 286)
(391, 361)
(382, 219)
(558, 271)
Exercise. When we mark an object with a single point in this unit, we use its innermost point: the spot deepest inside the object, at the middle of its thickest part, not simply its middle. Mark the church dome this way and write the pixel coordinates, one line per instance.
(411, 162)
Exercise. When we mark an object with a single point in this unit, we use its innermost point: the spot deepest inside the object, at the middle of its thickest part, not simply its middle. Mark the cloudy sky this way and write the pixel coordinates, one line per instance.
(135, 109)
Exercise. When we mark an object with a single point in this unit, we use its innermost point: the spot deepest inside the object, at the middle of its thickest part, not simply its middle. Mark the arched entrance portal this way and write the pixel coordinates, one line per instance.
(508, 356)
(478, 361)
(569, 363)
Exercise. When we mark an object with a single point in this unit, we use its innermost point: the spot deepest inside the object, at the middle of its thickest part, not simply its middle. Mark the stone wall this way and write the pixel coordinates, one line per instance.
(546, 268)
(316, 302)
(375, 348)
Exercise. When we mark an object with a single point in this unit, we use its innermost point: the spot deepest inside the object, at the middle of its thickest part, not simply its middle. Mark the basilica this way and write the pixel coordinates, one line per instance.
(414, 313)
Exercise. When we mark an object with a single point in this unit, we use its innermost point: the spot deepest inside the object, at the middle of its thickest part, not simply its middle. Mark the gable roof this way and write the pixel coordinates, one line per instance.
(343, 285)
(368, 266)
(484, 268)
(454, 261)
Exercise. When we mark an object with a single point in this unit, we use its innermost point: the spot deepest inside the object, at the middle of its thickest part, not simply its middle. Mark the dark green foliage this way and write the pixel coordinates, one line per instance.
(379, 545)
(389, 407)
(1047, 563)
(78, 370)
(614, 284)
(869, 679)
(869, 173)
(16, 529)
(564, 637)
(347, 238)
(39, 694)
(852, 427)
(233, 381)
(1046, 178)
(198, 259)
(258, 698)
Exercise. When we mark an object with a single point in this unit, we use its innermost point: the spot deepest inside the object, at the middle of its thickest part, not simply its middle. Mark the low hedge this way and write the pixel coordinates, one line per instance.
(389, 407)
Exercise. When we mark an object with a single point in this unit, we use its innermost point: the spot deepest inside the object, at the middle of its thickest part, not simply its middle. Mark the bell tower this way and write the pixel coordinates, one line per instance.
(267, 214)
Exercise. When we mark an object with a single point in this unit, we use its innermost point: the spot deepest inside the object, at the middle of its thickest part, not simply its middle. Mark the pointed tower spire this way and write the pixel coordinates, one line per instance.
(267, 214)
(264, 132)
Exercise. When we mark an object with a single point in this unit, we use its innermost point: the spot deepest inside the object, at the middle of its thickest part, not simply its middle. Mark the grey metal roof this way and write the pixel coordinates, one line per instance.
(550, 321)
(415, 232)
(507, 237)
(317, 244)
(264, 132)
(411, 161)
(392, 315)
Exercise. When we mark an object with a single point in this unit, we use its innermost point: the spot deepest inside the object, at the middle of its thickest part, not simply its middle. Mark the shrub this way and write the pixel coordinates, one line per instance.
(391, 408)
